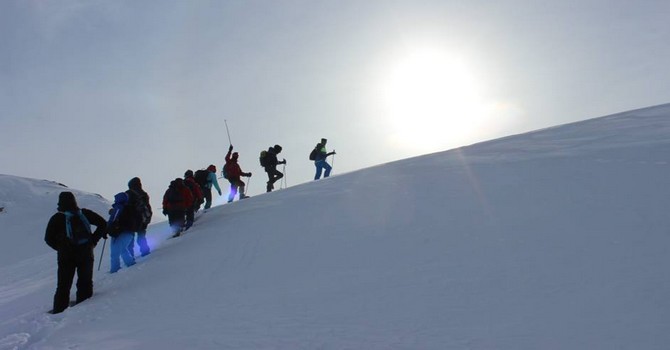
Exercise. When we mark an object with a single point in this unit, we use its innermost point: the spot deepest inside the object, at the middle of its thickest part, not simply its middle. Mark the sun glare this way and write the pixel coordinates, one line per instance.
(432, 100)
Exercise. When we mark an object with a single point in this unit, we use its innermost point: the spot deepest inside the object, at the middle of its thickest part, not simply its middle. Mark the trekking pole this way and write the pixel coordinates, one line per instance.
(228, 132)
(284, 185)
(333, 165)
(102, 254)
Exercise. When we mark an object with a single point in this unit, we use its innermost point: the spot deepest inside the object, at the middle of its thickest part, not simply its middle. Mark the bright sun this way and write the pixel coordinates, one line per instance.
(432, 100)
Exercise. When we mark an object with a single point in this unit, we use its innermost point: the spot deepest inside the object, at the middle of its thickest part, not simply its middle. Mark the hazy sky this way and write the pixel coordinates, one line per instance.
(93, 93)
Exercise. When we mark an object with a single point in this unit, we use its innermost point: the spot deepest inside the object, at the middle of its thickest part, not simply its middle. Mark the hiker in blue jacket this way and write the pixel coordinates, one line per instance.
(320, 160)
(122, 224)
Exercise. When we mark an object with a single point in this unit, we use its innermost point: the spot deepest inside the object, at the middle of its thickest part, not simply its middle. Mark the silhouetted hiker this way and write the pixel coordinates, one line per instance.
(320, 155)
(139, 199)
(269, 162)
(198, 198)
(232, 172)
(69, 233)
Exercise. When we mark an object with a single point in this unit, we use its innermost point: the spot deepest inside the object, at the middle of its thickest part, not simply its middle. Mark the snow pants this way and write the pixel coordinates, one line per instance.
(176, 220)
(119, 250)
(73, 259)
(320, 166)
(273, 176)
(141, 239)
(207, 192)
(235, 186)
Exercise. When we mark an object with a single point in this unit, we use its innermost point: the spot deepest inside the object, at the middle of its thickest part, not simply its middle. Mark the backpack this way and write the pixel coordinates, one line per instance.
(226, 170)
(124, 216)
(174, 195)
(77, 227)
(263, 158)
(201, 177)
(312, 155)
(195, 190)
(142, 209)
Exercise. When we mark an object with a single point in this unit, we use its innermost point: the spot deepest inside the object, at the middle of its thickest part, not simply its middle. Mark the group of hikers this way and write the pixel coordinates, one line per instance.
(69, 230)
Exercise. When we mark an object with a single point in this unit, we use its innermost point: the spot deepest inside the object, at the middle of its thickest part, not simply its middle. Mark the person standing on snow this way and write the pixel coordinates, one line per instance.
(69, 233)
(270, 163)
(140, 199)
(233, 172)
(123, 223)
(211, 181)
(320, 160)
(176, 201)
(198, 199)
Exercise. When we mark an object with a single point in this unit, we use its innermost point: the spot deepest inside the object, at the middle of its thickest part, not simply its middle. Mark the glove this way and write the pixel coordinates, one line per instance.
(249, 175)
(283, 161)
(230, 148)
(219, 192)
(165, 212)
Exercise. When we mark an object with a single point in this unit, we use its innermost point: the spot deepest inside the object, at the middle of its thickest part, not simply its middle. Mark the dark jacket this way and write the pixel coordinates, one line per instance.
(321, 153)
(139, 201)
(123, 217)
(271, 160)
(56, 233)
(137, 195)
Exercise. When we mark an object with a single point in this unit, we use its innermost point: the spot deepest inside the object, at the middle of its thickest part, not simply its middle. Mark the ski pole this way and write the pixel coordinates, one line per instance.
(284, 179)
(333, 165)
(102, 254)
(228, 132)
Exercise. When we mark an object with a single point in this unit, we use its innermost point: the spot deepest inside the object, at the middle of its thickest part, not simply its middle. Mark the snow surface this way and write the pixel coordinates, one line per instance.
(555, 239)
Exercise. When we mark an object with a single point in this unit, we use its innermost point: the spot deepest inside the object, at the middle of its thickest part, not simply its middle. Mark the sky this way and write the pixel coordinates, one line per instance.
(93, 93)
(556, 239)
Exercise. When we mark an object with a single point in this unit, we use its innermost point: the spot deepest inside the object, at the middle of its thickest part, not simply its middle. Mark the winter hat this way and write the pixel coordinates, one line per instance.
(120, 198)
(277, 148)
(235, 155)
(188, 173)
(135, 183)
(211, 168)
(67, 202)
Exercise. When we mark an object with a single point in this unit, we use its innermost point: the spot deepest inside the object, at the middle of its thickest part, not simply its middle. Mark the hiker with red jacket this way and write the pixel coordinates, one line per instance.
(198, 198)
(233, 172)
(69, 233)
(176, 201)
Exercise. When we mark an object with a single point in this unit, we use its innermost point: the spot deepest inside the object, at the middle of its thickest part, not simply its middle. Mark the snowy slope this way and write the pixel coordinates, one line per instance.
(28, 204)
(556, 239)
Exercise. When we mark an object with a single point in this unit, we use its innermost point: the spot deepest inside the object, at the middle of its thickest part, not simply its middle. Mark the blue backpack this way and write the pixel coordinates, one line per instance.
(77, 227)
